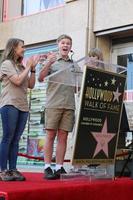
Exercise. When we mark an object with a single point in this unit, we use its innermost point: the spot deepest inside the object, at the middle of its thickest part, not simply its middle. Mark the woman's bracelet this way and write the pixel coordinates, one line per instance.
(33, 71)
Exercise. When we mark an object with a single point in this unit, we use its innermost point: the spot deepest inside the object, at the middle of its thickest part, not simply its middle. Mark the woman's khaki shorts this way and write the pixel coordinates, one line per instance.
(59, 119)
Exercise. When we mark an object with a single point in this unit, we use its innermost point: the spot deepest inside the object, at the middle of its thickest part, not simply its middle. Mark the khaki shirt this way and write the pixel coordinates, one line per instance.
(60, 95)
(12, 94)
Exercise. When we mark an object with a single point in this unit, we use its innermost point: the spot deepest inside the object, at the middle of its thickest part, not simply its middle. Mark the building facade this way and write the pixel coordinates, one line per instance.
(39, 23)
(43, 25)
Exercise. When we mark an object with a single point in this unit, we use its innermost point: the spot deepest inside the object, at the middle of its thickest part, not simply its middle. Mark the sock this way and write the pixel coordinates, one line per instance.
(58, 166)
(47, 165)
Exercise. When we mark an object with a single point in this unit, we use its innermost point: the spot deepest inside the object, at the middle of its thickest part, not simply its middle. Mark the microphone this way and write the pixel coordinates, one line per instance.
(72, 53)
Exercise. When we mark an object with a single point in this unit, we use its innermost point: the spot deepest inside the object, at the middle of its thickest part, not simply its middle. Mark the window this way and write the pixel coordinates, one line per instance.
(1, 9)
(34, 6)
(10, 9)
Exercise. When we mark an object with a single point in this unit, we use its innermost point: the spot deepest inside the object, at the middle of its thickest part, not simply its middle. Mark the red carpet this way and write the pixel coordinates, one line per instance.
(36, 188)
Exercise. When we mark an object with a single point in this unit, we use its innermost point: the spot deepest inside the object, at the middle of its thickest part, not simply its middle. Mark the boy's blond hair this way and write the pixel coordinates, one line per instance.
(96, 52)
(64, 36)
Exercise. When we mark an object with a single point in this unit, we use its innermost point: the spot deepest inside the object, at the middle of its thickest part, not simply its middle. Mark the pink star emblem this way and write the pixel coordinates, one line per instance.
(102, 138)
(116, 95)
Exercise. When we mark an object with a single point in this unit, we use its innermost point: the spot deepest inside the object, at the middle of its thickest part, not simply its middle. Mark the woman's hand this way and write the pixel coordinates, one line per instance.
(32, 62)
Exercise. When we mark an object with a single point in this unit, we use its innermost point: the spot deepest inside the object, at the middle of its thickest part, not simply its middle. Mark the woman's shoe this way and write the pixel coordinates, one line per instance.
(6, 176)
(17, 175)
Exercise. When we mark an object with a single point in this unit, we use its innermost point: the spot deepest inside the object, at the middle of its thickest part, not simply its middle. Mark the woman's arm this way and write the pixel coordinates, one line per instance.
(32, 80)
(18, 79)
(33, 62)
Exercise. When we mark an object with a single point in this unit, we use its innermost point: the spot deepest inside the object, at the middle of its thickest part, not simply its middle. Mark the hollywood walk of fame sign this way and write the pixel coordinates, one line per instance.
(98, 120)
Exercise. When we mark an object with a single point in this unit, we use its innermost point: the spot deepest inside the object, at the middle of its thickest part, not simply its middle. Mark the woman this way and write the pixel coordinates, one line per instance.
(13, 105)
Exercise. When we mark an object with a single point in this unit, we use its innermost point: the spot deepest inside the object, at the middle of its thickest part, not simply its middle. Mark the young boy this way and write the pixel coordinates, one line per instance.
(60, 106)
(96, 54)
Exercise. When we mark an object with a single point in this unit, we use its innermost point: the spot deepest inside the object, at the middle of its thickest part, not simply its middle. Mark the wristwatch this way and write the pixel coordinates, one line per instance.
(33, 71)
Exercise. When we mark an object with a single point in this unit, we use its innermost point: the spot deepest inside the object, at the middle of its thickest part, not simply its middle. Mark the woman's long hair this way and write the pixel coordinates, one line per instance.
(9, 52)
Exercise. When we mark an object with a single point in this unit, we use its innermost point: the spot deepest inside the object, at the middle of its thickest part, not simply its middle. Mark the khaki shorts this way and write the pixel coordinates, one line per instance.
(59, 119)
